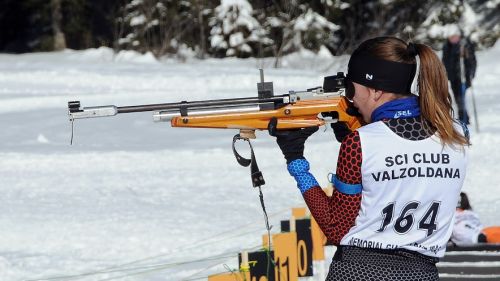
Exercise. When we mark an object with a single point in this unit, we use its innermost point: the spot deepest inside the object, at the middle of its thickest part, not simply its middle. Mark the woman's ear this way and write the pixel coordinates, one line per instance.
(375, 94)
(378, 94)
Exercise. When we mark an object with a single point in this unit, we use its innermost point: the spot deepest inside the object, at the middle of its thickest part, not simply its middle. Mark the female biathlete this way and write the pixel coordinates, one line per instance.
(398, 177)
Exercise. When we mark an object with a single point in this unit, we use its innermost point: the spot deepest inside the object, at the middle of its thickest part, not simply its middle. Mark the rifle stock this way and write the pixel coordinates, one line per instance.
(301, 114)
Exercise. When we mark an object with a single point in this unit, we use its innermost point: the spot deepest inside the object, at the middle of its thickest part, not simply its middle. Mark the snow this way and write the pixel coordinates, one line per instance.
(217, 41)
(470, 264)
(312, 20)
(241, 15)
(492, 4)
(469, 22)
(274, 21)
(138, 20)
(132, 56)
(134, 3)
(134, 200)
(236, 39)
(234, 15)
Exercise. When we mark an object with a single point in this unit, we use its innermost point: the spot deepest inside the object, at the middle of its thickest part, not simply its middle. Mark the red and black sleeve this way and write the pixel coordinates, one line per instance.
(337, 214)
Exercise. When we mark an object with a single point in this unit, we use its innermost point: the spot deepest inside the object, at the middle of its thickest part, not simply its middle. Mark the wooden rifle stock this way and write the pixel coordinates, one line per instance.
(301, 114)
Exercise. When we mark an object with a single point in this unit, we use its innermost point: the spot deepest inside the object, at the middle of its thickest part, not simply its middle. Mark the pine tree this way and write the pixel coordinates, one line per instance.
(241, 28)
(292, 26)
(433, 30)
(137, 24)
(164, 26)
(234, 31)
(59, 39)
(363, 19)
(26, 26)
(488, 21)
(15, 21)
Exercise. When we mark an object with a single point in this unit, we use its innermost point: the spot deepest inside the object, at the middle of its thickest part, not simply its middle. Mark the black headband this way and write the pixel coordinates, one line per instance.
(389, 76)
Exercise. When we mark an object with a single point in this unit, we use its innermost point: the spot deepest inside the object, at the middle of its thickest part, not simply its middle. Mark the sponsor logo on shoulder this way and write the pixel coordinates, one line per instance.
(402, 113)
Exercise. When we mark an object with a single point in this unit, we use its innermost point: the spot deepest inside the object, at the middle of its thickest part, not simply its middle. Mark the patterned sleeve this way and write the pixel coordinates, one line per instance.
(336, 214)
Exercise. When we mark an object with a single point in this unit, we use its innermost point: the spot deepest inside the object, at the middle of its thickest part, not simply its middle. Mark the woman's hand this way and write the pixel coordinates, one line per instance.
(291, 142)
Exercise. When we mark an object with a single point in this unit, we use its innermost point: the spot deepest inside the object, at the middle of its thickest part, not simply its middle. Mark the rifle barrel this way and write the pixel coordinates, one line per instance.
(192, 104)
(77, 112)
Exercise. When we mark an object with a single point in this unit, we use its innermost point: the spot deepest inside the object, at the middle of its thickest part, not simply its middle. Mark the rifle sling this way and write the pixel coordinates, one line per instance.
(257, 181)
(255, 173)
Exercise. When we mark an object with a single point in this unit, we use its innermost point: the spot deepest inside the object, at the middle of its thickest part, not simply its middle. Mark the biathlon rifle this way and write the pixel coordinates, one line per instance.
(297, 109)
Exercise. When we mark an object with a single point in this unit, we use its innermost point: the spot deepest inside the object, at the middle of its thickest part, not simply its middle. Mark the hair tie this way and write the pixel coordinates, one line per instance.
(412, 49)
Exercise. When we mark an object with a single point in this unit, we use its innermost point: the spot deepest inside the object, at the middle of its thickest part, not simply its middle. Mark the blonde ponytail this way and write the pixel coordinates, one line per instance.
(435, 100)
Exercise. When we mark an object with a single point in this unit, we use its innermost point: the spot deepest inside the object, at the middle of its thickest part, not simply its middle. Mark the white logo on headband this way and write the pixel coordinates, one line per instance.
(369, 76)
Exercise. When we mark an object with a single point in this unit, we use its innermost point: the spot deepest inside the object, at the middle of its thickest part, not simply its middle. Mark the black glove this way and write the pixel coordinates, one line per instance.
(291, 142)
(340, 130)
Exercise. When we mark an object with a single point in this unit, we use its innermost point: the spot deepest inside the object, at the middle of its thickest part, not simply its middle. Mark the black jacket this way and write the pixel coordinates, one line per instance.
(451, 60)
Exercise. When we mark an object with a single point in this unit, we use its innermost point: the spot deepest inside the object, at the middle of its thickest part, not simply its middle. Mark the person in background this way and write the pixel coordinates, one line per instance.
(467, 228)
(398, 177)
(459, 59)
